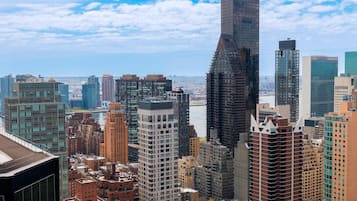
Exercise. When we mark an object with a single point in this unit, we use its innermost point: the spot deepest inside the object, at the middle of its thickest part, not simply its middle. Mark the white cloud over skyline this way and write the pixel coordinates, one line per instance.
(169, 26)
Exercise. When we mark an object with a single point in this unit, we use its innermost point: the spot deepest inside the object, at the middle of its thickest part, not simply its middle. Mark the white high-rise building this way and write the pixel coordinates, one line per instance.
(158, 151)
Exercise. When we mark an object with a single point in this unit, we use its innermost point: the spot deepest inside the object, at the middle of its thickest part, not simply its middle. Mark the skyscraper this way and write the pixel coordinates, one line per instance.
(89, 96)
(26, 172)
(115, 146)
(130, 89)
(64, 92)
(6, 84)
(95, 81)
(351, 63)
(318, 74)
(107, 88)
(181, 105)
(36, 113)
(158, 151)
(287, 77)
(275, 160)
(340, 158)
(233, 79)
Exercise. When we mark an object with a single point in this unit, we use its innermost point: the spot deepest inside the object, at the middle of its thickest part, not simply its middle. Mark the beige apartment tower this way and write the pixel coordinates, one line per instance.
(342, 90)
(115, 146)
(312, 170)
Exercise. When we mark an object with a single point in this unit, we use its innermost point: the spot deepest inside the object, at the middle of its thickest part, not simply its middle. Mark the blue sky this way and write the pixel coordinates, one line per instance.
(173, 37)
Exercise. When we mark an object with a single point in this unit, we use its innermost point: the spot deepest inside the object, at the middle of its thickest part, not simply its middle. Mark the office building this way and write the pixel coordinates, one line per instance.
(64, 92)
(181, 105)
(340, 160)
(130, 89)
(26, 172)
(233, 78)
(107, 88)
(318, 74)
(158, 151)
(6, 84)
(343, 89)
(115, 146)
(185, 171)
(89, 96)
(36, 113)
(94, 80)
(214, 178)
(275, 160)
(287, 77)
(313, 170)
(351, 63)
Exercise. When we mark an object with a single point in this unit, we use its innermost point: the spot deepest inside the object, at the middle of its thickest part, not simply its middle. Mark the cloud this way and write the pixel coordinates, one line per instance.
(92, 6)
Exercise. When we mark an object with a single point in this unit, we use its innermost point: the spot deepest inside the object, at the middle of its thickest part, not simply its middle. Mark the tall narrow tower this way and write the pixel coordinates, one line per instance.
(233, 79)
(115, 146)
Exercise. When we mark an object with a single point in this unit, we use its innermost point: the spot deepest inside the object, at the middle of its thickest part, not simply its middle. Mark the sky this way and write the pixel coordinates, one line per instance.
(172, 37)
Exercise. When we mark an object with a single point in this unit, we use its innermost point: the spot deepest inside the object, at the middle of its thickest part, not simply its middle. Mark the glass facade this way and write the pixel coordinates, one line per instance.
(36, 113)
(43, 190)
(351, 63)
(5, 90)
(89, 96)
(130, 89)
(64, 92)
(323, 72)
(287, 77)
(233, 79)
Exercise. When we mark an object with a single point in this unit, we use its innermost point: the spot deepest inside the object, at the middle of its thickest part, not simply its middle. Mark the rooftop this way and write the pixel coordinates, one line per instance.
(17, 155)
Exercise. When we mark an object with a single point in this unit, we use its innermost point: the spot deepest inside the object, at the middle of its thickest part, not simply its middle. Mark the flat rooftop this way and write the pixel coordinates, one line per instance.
(17, 155)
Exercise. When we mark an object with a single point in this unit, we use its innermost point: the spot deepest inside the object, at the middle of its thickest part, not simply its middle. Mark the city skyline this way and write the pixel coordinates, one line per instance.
(72, 38)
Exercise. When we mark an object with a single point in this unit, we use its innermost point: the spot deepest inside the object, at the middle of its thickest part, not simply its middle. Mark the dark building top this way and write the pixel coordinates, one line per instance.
(287, 45)
(17, 155)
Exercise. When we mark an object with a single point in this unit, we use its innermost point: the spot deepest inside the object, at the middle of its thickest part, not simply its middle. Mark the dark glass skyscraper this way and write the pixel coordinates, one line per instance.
(287, 77)
(233, 79)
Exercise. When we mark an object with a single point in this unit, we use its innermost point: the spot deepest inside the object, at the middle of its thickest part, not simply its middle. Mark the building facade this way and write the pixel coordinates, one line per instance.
(185, 171)
(181, 105)
(351, 63)
(287, 77)
(264, 110)
(86, 189)
(64, 92)
(318, 73)
(6, 84)
(36, 113)
(313, 170)
(233, 78)
(158, 151)
(115, 146)
(130, 89)
(89, 96)
(340, 161)
(275, 158)
(27, 172)
(343, 88)
(95, 81)
(214, 177)
(108, 88)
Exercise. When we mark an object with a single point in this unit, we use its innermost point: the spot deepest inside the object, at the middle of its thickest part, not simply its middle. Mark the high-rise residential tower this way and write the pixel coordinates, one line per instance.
(130, 89)
(181, 105)
(36, 113)
(115, 146)
(107, 88)
(318, 74)
(6, 84)
(343, 88)
(287, 77)
(275, 160)
(351, 63)
(158, 151)
(95, 81)
(340, 160)
(233, 79)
